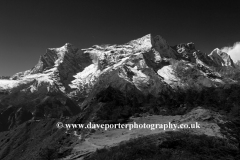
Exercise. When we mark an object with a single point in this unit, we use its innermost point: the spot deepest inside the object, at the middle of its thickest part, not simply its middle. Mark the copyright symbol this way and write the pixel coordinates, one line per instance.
(60, 125)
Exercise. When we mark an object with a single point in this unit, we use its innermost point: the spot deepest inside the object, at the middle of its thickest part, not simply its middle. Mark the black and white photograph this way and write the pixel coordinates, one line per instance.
(119, 80)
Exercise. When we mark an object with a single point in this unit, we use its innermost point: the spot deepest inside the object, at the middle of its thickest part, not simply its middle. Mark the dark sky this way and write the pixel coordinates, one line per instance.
(28, 28)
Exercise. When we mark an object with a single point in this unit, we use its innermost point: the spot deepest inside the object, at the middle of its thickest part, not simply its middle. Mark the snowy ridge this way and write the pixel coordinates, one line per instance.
(143, 63)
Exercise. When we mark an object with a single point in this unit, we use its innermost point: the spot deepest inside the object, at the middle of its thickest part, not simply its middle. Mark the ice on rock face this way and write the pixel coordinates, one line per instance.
(7, 84)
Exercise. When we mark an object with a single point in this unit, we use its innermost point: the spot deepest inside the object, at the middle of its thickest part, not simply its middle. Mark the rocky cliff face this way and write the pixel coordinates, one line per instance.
(121, 66)
(216, 58)
(146, 64)
(221, 58)
(59, 63)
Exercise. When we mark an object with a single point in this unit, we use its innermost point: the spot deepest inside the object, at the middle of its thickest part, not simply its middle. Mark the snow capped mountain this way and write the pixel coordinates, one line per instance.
(112, 83)
(57, 65)
(119, 66)
(46, 83)
(145, 66)
(142, 62)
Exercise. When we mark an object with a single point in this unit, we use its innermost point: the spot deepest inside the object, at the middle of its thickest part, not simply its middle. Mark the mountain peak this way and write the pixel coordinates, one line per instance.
(53, 58)
(68, 44)
(216, 50)
(223, 58)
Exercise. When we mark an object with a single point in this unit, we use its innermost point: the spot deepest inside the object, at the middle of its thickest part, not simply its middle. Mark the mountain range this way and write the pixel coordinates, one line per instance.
(145, 79)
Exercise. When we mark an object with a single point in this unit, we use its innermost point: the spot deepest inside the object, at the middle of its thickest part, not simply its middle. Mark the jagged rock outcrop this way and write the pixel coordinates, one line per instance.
(132, 64)
(216, 58)
(160, 45)
(221, 58)
(60, 63)
(186, 51)
(144, 64)
(52, 58)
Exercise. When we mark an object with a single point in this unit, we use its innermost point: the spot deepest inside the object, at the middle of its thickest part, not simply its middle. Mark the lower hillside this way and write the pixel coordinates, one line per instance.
(216, 109)
(170, 146)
